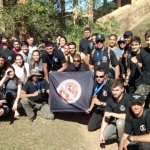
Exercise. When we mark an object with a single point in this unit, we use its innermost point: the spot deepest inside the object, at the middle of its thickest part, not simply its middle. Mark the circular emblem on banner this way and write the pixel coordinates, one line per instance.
(69, 90)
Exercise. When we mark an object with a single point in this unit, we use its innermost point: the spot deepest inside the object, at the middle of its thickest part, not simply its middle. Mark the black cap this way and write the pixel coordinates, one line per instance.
(137, 98)
(100, 37)
(44, 39)
(128, 33)
(16, 41)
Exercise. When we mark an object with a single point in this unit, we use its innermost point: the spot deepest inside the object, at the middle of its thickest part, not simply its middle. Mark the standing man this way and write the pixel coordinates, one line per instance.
(73, 51)
(102, 57)
(84, 43)
(53, 60)
(16, 45)
(144, 87)
(114, 113)
(33, 95)
(134, 71)
(101, 93)
(137, 126)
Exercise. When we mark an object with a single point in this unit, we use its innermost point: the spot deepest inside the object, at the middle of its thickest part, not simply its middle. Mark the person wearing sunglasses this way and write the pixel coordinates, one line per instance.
(103, 57)
(77, 65)
(101, 93)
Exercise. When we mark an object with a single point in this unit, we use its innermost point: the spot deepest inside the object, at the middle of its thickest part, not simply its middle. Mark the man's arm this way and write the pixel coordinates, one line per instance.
(24, 95)
(115, 115)
(124, 137)
(84, 58)
(141, 138)
(46, 71)
(117, 71)
(63, 68)
(91, 67)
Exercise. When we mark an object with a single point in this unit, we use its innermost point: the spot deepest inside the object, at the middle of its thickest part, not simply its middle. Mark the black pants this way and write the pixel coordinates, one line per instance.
(140, 146)
(96, 119)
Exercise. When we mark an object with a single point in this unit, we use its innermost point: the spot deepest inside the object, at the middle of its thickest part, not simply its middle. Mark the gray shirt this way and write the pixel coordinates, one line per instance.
(26, 58)
(118, 52)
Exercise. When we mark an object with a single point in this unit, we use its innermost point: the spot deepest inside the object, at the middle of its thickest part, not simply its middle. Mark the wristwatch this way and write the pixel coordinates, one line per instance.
(128, 138)
(94, 96)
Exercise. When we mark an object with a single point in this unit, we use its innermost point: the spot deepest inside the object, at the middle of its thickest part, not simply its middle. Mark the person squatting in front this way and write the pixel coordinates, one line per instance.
(34, 96)
(114, 113)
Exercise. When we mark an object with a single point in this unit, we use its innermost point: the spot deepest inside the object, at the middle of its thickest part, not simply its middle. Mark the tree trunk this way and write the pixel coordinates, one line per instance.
(75, 11)
(90, 10)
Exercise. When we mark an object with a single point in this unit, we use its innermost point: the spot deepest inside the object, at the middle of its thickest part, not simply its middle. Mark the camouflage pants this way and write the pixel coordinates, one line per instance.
(145, 91)
(42, 109)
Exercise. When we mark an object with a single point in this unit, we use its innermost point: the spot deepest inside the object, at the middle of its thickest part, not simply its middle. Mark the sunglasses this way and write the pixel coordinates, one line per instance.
(76, 60)
(121, 42)
(99, 41)
(99, 76)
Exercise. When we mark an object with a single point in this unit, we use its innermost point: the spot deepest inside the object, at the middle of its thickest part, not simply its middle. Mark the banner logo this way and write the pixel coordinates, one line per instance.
(69, 90)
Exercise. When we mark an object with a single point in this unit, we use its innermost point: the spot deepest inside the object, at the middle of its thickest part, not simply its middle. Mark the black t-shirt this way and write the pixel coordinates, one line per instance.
(126, 57)
(145, 60)
(104, 59)
(83, 67)
(9, 56)
(54, 61)
(30, 88)
(84, 43)
(118, 107)
(138, 126)
(1, 48)
(135, 76)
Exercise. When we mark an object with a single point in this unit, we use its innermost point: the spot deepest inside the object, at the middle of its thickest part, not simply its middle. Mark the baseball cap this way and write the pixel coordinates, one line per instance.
(35, 72)
(4, 41)
(128, 33)
(16, 41)
(137, 98)
(44, 39)
(100, 37)
(121, 39)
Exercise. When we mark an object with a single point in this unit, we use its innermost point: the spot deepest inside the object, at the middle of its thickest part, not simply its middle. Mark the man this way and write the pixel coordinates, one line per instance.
(84, 43)
(32, 47)
(73, 51)
(144, 87)
(102, 57)
(77, 65)
(134, 72)
(137, 126)
(41, 47)
(101, 93)
(115, 112)
(8, 54)
(16, 45)
(53, 60)
(1, 42)
(25, 52)
(127, 52)
(33, 94)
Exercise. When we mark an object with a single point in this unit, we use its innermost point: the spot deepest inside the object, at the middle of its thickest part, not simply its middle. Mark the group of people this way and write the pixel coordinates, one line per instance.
(120, 101)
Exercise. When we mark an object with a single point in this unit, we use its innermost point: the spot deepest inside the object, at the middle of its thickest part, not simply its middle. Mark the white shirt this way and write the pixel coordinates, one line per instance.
(22, 72)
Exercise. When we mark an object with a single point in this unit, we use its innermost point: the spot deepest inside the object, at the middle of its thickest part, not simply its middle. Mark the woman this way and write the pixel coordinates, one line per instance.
(21, 68)
(12, 89)
(36, 61)
(63, 42)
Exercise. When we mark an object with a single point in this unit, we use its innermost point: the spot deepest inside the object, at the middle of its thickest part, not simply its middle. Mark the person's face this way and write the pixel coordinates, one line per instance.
(122, 45)
(16, 45)
(19, 60)
(2, 61)
(58, 40)
(100, 77)
(30, 41)
(5, 46)
(35, 78)
(11, 73)
(49, 50)
(35, 56)
(100, 44)
(72, 49)
(112, 41)
(127, 39)
(43, 44)
(94, 39)
(117, 91)
(147, 40)
(137, 108)
(25, 48)
(135, 46)
(66, 49)
(62, 42)
(87, 34)
(76, 62)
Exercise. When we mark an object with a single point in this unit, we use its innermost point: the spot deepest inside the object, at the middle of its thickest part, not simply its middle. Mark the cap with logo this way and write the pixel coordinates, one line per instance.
(137, 98)
(100, 37)
(121, 40)
(4, 41)
(128, 33)
(35, 72)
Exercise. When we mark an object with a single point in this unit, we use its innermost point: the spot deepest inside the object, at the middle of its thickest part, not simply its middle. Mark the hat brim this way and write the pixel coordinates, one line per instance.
(5, 43)
(35, 74)
(100, 40)
(136, 101)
